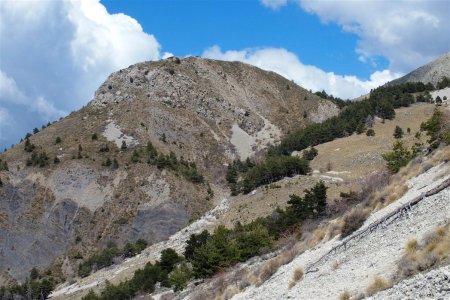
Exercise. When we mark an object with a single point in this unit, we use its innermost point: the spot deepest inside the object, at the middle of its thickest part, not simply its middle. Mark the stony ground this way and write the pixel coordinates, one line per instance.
(432, 285)
(373, 255)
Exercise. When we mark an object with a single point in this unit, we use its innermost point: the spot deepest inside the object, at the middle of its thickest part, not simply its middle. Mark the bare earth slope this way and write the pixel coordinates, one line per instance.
(204, 111)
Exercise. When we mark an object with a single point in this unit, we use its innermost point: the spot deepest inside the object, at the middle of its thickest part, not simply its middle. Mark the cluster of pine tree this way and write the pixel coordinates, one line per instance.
(437, 128)
(38, 159)
(105, 258)
(443, 83)
(144, 280)
(169, 161)
(352, 118)
(338, 101)
(245, 177)
(36, 286)
(207, 254)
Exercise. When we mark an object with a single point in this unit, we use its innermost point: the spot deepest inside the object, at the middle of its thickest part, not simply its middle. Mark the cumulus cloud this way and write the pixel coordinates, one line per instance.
(274, 4)
(9, 90)
(6, 123)
(287, 64)
(407, 33)
(56, 53)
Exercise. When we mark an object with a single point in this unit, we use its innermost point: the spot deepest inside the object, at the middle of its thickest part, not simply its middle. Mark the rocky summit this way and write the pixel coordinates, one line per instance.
(85, 182)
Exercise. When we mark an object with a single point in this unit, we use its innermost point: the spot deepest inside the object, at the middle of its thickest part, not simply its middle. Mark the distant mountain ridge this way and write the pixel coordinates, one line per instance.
(432, 72)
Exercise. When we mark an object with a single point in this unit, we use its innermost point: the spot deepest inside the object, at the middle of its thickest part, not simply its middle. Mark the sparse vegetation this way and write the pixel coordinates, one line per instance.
(106, 257)
(437, 128)
(107, 162)
(36, 159)
(420, 257)
(185, 168)
(376, 286)
(29, 147)
(345, 295)
(399, 157)
(144, 280)
(36, 286)
(209, 253)
(3, 165)
(381, 103)
(298, 274)
(352, 221)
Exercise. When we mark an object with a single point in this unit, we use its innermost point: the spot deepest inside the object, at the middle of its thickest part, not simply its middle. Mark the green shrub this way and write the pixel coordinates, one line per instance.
(169, 258)
(398, 132)
(195, 241)
(437, 128)
(310, 153)
(370, 132)
(180, 276)
(398, 157)
(29, 147)
(36, 159)
(273, 169)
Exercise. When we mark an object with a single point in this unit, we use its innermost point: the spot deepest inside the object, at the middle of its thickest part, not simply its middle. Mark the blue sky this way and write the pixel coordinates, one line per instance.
(55, 53)
(247, 24)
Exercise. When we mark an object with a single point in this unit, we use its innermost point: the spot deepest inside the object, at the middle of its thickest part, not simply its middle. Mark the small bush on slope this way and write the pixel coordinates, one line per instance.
(298, 274)
(431, 251)
(352, 221)
(377, 285)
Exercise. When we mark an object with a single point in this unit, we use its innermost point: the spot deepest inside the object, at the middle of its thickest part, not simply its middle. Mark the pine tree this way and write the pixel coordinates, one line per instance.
(398, 132)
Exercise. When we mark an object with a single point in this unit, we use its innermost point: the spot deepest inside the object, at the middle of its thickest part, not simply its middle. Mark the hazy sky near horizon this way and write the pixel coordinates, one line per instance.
(55, 53)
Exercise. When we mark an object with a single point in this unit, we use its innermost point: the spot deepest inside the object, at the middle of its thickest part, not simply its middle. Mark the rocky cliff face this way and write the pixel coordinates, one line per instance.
(202, 111)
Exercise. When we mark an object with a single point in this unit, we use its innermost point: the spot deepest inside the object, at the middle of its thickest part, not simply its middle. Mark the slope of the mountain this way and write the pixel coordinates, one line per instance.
(355, 160)
(349, 264)
(432, 72)
(95, 188)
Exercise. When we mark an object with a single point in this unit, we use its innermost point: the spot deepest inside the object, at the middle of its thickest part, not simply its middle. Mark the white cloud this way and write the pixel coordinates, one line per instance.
(102, 40)
(407, 33)
(6, 122)
(288, 65)
(9, 90)
(55, 54)
(46, 109)
(274, 4)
